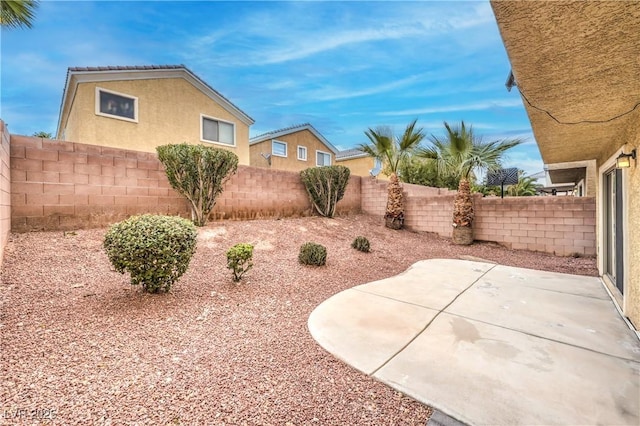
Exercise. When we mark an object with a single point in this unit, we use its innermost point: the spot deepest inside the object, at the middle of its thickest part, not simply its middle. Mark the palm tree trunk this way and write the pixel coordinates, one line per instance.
(463, 214)
(394, 214)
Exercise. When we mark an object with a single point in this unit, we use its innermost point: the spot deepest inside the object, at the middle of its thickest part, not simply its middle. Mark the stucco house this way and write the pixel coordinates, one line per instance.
(141, 107)
(294, 148)
(360, 163)
(575, 65)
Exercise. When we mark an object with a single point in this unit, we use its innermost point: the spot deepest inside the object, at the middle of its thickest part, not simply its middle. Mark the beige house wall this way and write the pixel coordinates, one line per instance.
(169, 111)
(290, 162)
(361, 167)
(358, 166)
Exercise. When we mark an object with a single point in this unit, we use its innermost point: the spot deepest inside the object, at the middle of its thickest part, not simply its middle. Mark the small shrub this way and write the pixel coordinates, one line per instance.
(326, 186)
(198, 173)
(362, 244)
(239, 260)
(155, 250)
(313, 254)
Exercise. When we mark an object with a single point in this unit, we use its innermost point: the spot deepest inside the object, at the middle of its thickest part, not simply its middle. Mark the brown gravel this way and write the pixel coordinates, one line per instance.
(78, 339)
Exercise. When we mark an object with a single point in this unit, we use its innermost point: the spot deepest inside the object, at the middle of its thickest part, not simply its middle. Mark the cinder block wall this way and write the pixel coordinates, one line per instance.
(560, 225)
(256, 192)
(430, 213)
(64, 185)
(374, 196)
(5, 188)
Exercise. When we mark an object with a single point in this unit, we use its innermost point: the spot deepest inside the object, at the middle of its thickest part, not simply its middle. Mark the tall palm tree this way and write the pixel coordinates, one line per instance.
(392, 151)
(17, 13)
(463, 154)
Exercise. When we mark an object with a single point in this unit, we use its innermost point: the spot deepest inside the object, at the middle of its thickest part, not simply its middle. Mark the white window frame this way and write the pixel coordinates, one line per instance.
(117, 117)
(286, 148)
(305, 153)
(209, 117)
(323, 152)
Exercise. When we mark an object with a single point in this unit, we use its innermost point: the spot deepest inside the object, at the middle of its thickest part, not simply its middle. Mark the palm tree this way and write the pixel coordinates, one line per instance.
(525, 187)
(392, 151)
(462, 153)
(17, 13)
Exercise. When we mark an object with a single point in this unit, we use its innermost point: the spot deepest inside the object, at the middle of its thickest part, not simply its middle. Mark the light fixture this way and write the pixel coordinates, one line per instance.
(624, 160)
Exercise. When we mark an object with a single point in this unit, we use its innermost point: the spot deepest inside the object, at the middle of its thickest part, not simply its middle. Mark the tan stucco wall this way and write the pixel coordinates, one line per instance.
(358, 166)
(291, 162)
(168, 112)
(632, 291)
(361, 166)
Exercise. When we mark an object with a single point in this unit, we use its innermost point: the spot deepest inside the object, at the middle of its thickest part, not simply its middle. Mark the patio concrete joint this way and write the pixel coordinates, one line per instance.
(434, 318)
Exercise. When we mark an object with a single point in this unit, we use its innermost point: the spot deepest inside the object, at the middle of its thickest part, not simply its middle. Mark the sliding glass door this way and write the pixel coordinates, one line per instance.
(613, 232)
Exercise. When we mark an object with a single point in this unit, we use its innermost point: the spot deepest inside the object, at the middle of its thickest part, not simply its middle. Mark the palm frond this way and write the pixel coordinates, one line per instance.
(17, 13)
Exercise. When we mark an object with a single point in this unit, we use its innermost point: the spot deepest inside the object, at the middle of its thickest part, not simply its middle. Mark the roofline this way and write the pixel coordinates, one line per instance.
(352, 156)
(289, 130)
(99, 74)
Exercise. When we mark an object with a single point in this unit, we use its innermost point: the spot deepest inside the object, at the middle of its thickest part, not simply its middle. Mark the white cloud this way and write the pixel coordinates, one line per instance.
(476, 106)
(334, 93)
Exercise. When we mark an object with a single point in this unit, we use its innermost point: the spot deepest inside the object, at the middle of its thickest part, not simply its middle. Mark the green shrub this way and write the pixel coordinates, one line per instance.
(312, 254)
(326, 186)
(198, 173)
(239, 260)
(155, 250)
(362, 244)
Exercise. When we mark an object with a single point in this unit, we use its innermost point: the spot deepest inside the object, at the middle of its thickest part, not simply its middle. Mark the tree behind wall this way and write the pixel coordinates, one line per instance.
(198, 173)
(325, 186)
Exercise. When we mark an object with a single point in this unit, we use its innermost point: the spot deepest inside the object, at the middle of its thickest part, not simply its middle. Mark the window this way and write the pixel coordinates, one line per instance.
(323, 158)
(302, 153)
(217, 131)
(116, 105)
(279, 149)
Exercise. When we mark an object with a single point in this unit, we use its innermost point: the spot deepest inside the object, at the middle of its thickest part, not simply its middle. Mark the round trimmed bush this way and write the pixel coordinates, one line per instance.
(362, 244)
(312, 254)
(155, 250)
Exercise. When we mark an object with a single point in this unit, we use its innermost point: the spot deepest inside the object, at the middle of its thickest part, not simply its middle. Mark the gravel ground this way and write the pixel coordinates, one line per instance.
(79, 344)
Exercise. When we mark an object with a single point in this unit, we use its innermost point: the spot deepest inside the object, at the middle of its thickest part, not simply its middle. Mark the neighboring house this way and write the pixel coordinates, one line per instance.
(295, 148)
(360, 163)
(576, 67)
(141, 107)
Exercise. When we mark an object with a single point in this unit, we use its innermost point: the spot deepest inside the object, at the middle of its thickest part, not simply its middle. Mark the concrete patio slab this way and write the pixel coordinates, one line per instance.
(414, 286)
(365, 330)
(486, 375)
(548, 308)
(493, 345)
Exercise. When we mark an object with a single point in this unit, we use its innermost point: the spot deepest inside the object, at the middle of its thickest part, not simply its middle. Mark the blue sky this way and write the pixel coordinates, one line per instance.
(342, 66)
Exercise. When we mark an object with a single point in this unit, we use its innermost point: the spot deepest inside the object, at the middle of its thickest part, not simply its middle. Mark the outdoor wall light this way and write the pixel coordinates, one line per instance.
(624, 160)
